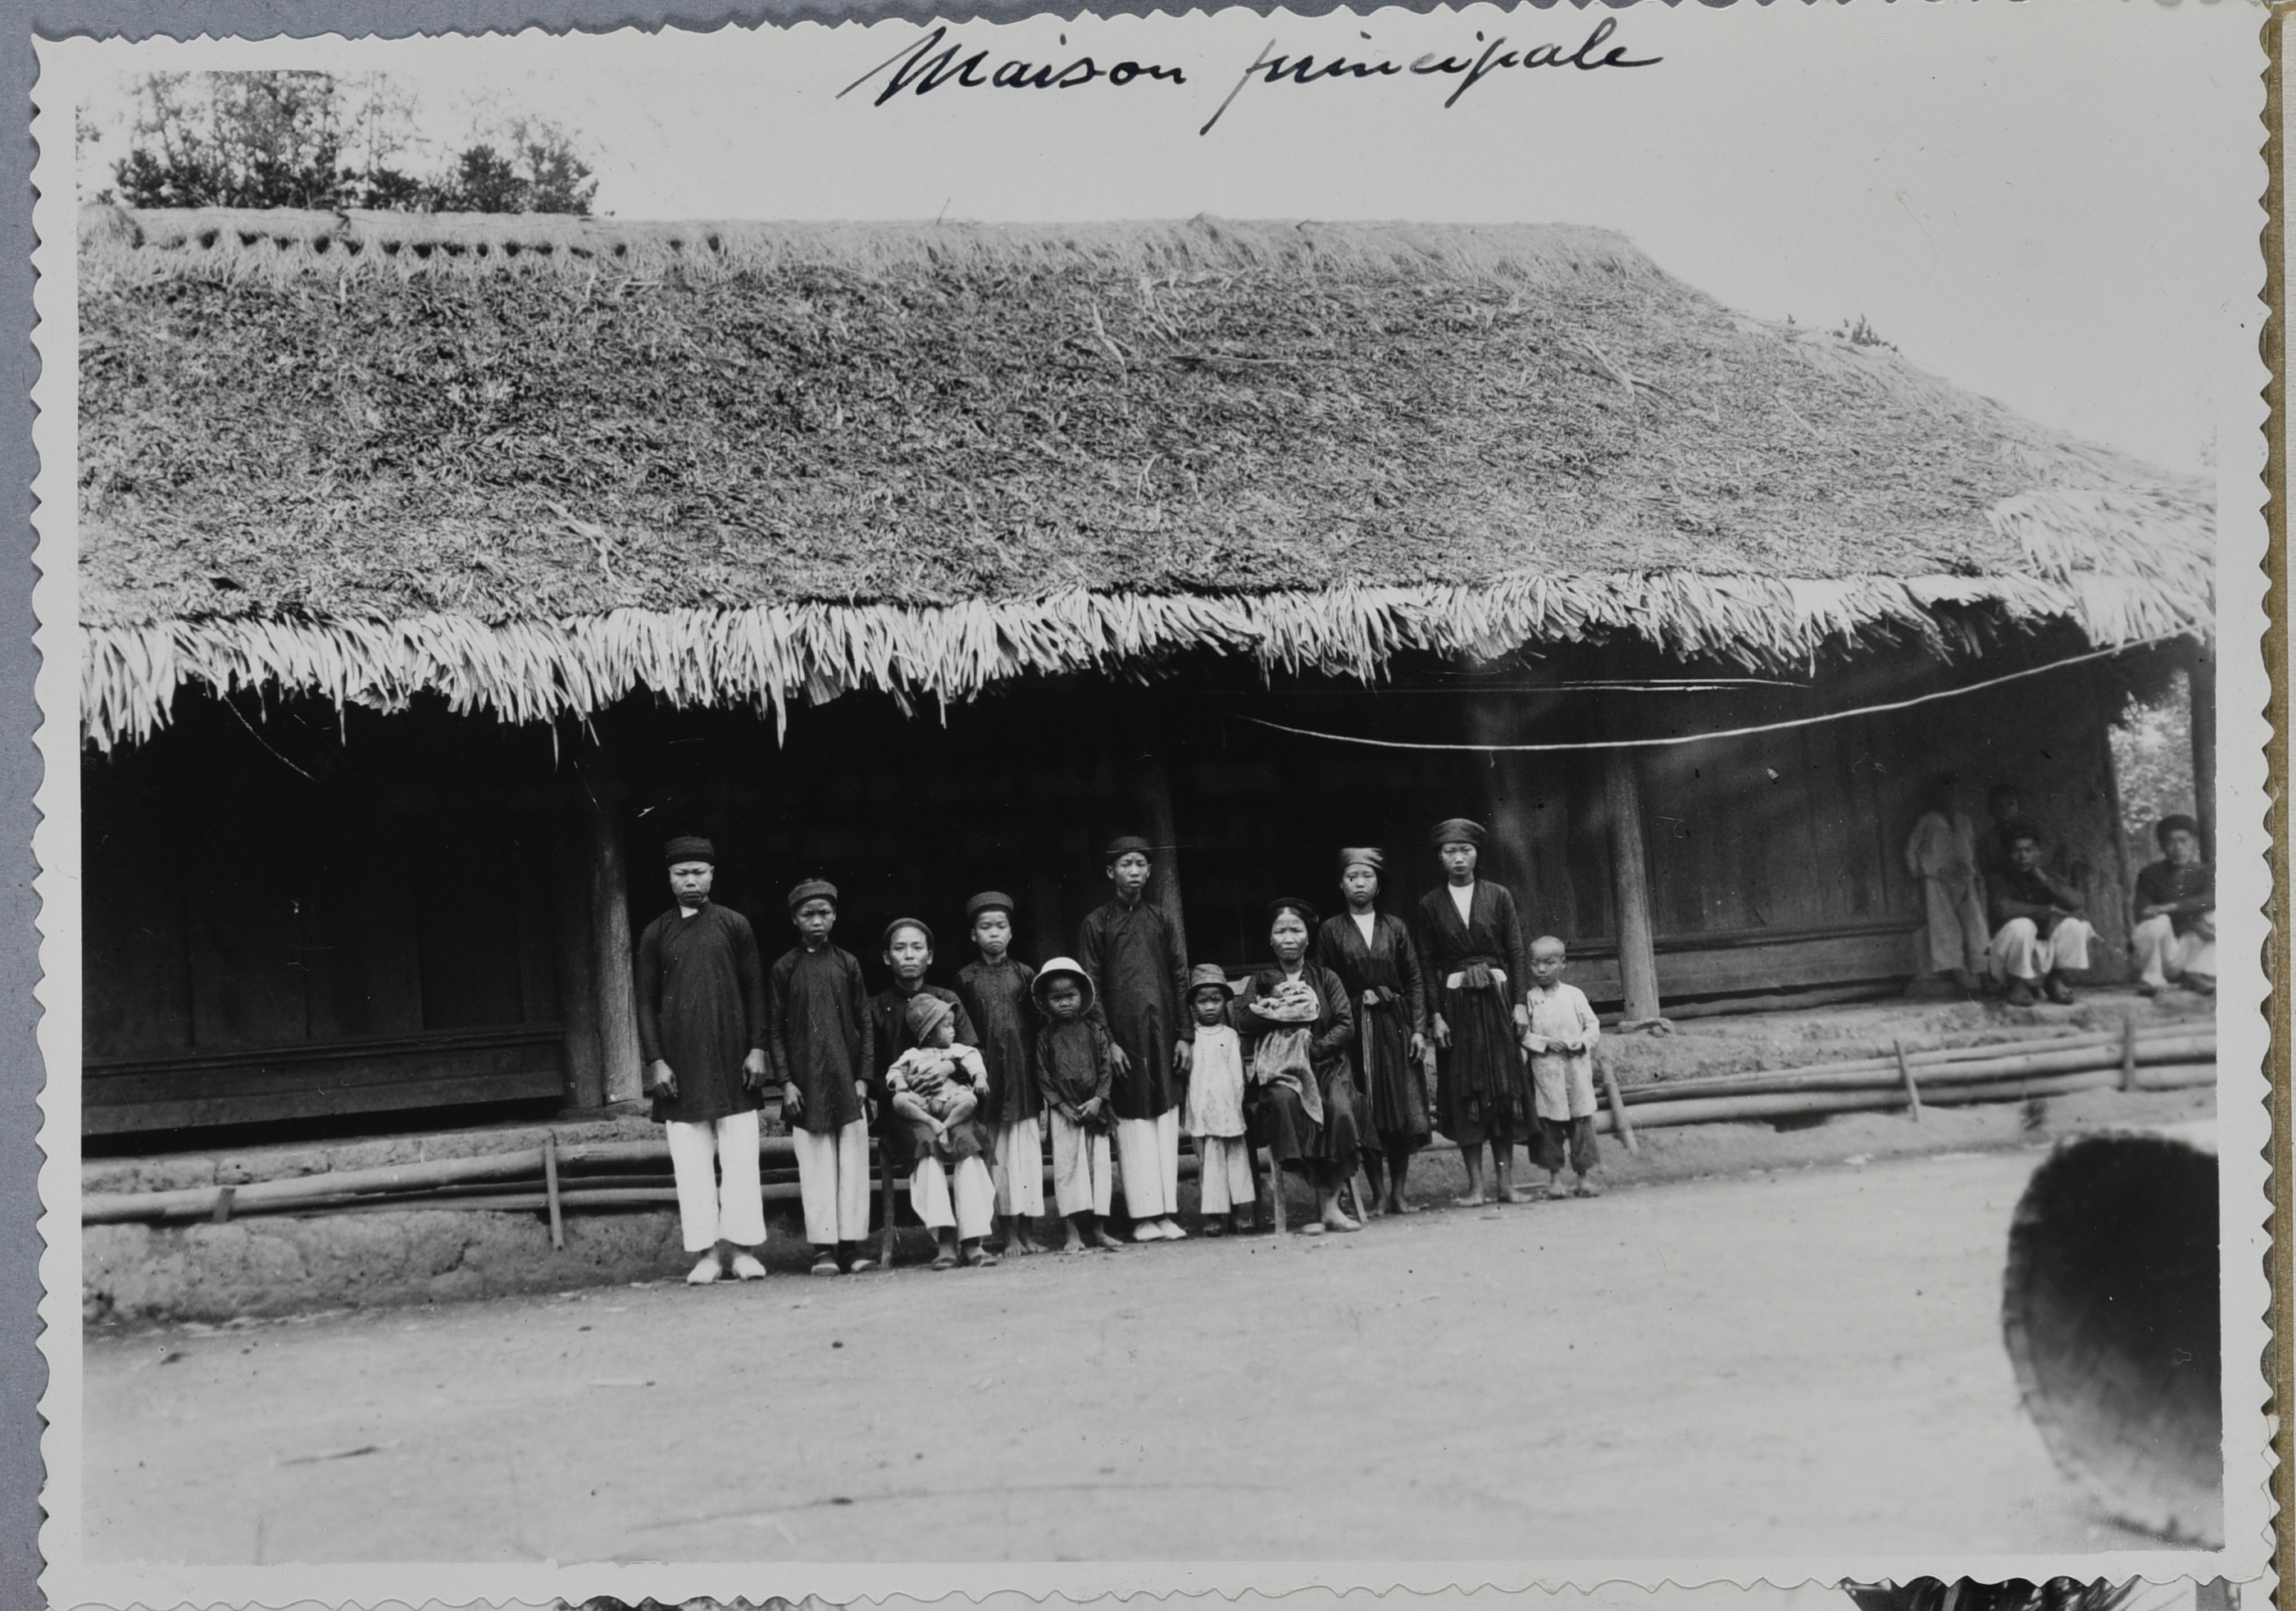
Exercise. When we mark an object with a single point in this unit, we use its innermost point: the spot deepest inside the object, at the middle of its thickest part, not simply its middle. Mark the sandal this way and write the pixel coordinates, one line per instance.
(826, 1266)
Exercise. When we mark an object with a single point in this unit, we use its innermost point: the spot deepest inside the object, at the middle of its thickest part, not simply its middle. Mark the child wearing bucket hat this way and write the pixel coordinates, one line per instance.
(1213, 1113)
(1075, 1070)
(936, 1084)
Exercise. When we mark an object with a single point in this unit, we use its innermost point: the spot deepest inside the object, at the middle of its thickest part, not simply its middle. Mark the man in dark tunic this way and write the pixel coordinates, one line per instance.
(2039, 932)
(702, 1031)
(996, 994)
(1477, 970)
(1139, 964)
(2176, 934)
(818, 1036)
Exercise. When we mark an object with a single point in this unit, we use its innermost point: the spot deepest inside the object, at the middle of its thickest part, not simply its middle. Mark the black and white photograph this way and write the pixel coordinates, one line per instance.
(1392, 800)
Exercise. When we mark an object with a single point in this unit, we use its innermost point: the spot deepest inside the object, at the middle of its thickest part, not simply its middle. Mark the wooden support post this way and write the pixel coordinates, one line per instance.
(1495, 719)
(2128, 1052)
(885, 1168)
(1631, 887)
(550, 1189)
(1618, 1101)
(614, 970)
(2201, 678)
(1151, 797)
(578, 985)
(1906, 1073)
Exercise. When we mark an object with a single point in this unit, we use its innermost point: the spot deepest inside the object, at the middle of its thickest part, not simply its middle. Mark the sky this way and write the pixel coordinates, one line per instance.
(2051, 203)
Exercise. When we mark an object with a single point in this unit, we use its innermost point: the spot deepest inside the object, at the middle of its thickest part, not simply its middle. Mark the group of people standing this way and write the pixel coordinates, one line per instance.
(1323, 1057)
(2004, 914)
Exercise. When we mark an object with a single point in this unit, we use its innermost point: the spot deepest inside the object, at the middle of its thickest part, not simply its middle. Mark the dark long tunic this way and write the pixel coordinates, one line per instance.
(701, 1009)
(2193, 890)
(1483, 1086)
(1072, 1066)
(1139, 970)
(887, 1021)
(996, 995)
(1278, 1118)
(820, 1034)
(1395, 1096)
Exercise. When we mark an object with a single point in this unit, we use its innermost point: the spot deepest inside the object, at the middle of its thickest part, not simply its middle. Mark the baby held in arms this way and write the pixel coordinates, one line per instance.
(936, 1084)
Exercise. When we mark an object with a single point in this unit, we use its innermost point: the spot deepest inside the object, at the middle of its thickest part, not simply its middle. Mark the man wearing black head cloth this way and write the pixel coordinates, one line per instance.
(702, 1031)
(1139, 964)
(1471, 938)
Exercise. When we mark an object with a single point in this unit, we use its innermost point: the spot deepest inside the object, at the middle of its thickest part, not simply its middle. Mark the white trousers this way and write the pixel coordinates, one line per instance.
(2021, 950)
(1225, 1182)
(711, 1210)
(1083, 1172)
(1148, 1152)
(832, 1180)
(1020, 1169)
(963, 1195)
(2163, 954)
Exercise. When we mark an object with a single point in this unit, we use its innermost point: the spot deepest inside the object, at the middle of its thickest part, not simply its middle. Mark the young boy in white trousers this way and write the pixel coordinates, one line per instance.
(1561, 1040)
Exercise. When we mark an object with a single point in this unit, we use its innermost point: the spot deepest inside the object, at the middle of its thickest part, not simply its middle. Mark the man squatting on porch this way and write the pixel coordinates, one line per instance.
(969, 1078)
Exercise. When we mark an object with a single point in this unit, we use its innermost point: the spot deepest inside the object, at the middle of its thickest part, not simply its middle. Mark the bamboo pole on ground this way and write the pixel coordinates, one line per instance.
(550, 1190)
(1621, 1125)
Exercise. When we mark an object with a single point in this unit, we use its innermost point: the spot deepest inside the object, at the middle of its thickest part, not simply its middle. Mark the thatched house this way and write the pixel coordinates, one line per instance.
(433, 570)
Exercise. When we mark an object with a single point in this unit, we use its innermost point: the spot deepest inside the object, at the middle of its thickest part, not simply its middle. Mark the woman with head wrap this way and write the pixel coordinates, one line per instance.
(1471, 940)
(1296, 1023)
(1374, 955)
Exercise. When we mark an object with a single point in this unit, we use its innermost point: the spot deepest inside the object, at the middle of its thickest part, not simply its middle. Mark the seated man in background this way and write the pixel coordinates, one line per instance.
(2176, 934)
(2038, 932)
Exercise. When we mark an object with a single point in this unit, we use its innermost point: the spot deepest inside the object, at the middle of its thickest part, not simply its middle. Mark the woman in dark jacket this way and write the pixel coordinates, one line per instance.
(1296, 1023)
(1375, 956)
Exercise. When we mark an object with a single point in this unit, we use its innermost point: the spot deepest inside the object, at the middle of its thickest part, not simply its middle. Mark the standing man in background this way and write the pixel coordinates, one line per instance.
(1133, 955)
(702, 1031)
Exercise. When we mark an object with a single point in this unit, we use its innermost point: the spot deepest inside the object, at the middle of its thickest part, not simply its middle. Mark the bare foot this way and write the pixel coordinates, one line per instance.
(1018, 1245)
(1337, 1220)
(1075, 1244)
(1474, 1199)
(1101, 1239)
(1514, 1194)
(1398, 1206)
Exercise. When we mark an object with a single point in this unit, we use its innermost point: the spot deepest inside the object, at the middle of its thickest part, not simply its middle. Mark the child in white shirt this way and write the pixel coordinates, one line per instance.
(1213, 1113)
(1561, 1040)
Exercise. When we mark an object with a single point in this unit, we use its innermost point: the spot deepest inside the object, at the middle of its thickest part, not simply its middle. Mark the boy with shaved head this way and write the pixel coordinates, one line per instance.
(1561, 1040)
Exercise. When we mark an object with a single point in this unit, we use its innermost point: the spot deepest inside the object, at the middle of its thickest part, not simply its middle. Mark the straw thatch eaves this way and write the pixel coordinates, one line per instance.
(537, 464)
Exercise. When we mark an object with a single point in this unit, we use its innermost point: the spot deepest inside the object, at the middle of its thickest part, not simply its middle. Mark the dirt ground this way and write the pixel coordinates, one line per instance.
(1798, 1360)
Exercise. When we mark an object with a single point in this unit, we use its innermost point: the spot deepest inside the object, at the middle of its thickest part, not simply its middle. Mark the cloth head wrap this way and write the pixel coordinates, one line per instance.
(1459, 830)
(1208, 976)
(918, 924)
(1127, 844)
(813, 889)
(2175, 822)
(1363, 856)
(1061, 968)
(1292, 903)
(925, 1013)
(688, 847)
(987, 900)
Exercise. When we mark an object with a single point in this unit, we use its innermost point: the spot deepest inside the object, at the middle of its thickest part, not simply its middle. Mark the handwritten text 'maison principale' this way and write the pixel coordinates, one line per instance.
(937, 62)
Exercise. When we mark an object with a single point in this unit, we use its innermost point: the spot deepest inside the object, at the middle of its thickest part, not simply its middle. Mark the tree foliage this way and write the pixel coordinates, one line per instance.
(2152, 763)
(315, 140)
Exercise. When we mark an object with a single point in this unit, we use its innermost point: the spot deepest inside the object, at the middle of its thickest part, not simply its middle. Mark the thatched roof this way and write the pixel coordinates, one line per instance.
(537, 463)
